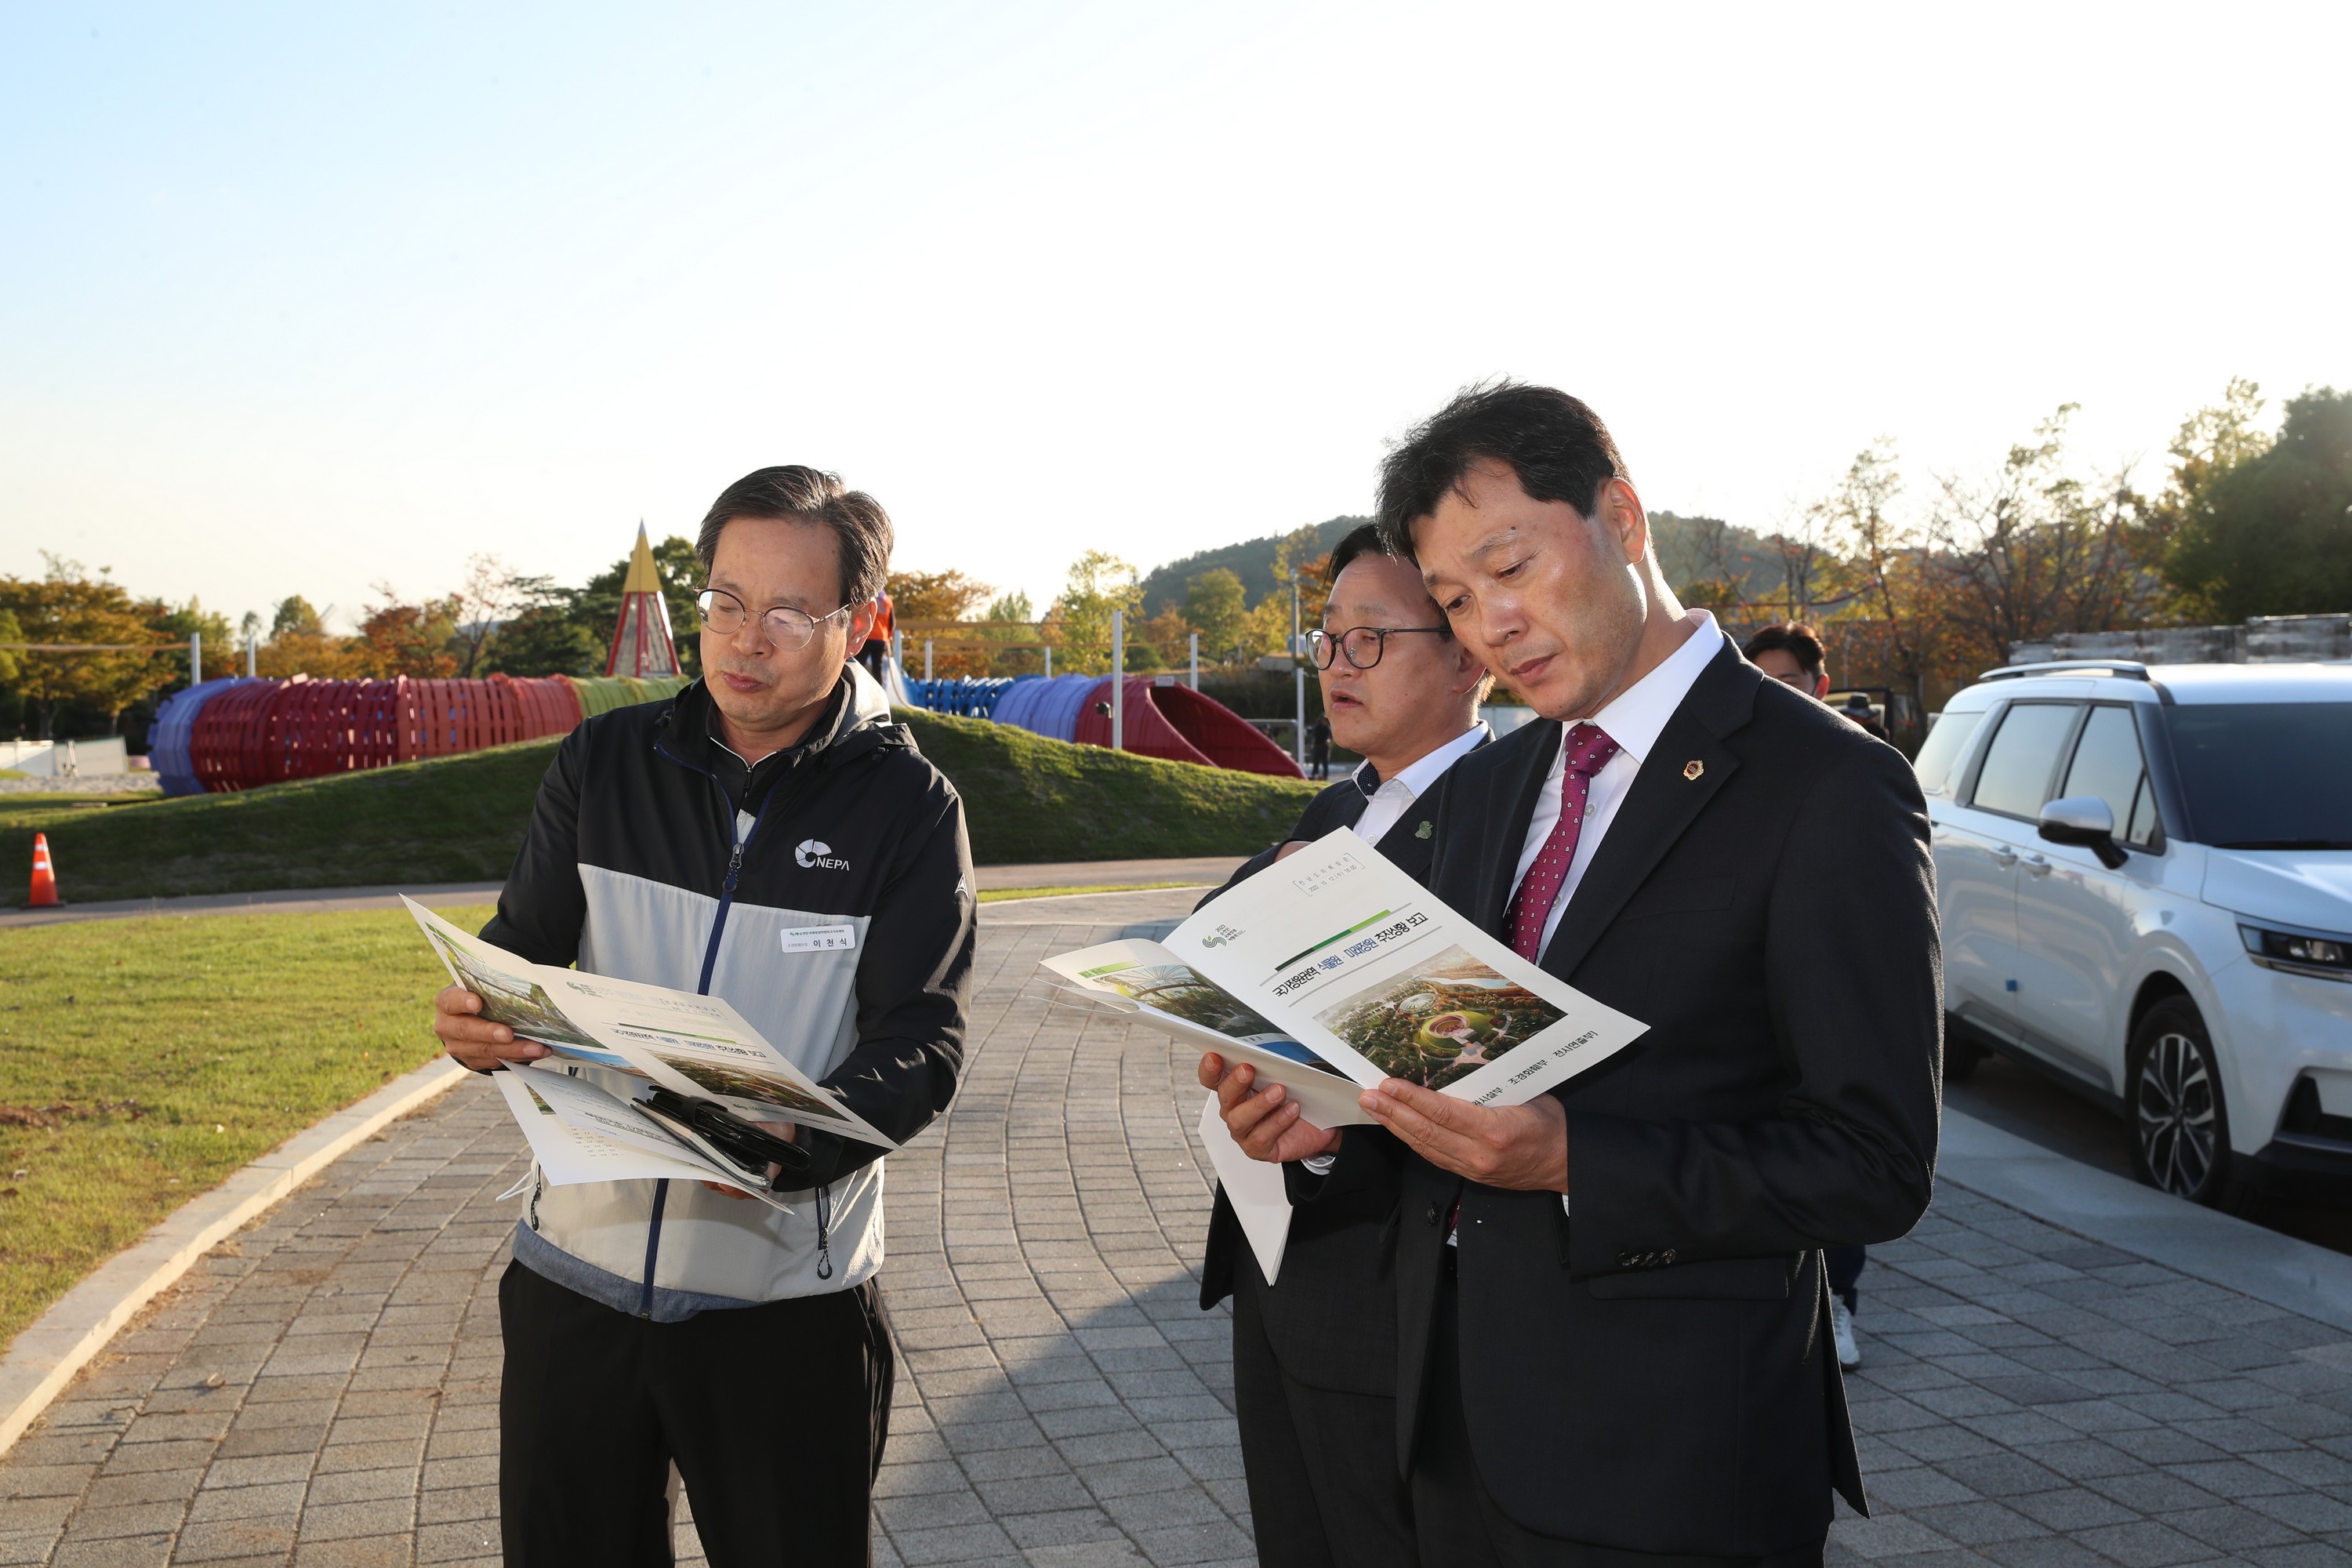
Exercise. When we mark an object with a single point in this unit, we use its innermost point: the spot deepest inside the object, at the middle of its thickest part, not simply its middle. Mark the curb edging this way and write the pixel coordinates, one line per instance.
(44, 1357)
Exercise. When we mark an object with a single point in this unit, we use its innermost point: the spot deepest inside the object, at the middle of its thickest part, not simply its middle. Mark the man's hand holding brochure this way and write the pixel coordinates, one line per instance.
(1331, 971)
(714, 1096)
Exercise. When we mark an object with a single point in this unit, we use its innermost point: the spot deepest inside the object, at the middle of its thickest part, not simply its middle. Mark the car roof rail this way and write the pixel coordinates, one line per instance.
(2129, 670)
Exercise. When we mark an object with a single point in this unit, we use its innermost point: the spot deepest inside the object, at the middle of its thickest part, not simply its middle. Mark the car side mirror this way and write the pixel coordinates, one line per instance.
(2084, 820)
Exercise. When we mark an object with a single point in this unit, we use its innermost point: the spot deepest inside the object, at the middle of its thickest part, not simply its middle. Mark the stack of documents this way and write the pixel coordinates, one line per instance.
(695, 1045)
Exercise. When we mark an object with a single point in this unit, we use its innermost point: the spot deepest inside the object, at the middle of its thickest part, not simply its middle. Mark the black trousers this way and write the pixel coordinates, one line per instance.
(1321, 1465)
(776, 1416)
(1459, 1522)
(1844, 1265)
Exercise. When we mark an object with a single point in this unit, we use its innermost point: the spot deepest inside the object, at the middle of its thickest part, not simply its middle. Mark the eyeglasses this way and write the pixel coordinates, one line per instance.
(1362, 645)
(789, 630)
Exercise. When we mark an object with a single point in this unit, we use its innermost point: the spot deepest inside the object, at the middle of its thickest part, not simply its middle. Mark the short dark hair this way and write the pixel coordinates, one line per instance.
(860, 527)
(1793, 637)
(1358, 542)
(1365, 540)
(1559, 448)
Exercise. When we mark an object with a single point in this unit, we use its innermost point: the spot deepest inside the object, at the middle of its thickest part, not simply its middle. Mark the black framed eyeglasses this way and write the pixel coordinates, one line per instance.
(789, 630)
(1362, 645)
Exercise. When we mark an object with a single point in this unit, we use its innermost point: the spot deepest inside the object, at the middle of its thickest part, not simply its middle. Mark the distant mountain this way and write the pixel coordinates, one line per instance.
(1251, 561)
(1707, 548)
(1690, 550)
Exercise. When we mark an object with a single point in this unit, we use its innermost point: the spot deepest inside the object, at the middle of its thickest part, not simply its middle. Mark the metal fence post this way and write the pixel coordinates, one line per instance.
(927, 659)
(195, 658)
(1118, 681)
(1196, 661)
(1297, 679)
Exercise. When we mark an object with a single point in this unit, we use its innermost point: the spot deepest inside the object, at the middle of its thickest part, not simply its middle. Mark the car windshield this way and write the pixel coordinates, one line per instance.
(2267, 775)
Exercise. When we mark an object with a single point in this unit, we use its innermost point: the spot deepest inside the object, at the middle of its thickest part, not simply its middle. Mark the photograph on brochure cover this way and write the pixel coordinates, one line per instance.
(520, 1003)
(1442, 1020)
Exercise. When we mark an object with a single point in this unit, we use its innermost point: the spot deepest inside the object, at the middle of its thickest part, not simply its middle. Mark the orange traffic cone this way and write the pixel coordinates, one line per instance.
(45, 876)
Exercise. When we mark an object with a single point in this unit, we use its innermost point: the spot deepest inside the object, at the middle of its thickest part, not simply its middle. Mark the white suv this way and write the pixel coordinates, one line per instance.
(2144, 877)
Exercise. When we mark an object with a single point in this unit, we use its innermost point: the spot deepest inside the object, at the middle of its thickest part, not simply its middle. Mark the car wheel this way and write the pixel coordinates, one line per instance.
(2180, 1121)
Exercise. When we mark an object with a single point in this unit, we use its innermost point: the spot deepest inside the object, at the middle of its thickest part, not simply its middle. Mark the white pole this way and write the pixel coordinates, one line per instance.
(195, 658)
(1196, 661)
(899, 651)
(927, 659)
(1118, 681)
(252, 657)
(1298, 681)
(1049, 661)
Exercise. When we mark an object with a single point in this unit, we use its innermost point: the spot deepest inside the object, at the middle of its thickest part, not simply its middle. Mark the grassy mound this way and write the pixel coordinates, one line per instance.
(460, 819)
(1028, 798)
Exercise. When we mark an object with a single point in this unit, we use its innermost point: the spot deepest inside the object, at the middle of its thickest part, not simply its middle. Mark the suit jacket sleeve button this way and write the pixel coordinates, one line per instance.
(1668, 1256)
(1629, 1261)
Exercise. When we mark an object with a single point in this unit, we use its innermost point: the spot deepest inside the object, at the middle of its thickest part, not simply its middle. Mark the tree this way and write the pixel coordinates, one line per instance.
(12, 661)
(545, 635)
(1169, 634)
(947, 595)
(1099, 583)
(485, 598)
(1214, 604)
(420, 639)
(2263, 528)
(295, 618)
(70, 607)
(177, 622)
(1882, 564)
(2034, 550)
(1300, 558)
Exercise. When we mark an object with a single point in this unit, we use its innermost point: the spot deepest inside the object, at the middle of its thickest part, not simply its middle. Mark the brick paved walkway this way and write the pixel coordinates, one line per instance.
(324, 1389)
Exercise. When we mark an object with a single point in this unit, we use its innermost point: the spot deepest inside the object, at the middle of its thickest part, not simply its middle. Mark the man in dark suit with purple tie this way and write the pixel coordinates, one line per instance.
(1612, 1319)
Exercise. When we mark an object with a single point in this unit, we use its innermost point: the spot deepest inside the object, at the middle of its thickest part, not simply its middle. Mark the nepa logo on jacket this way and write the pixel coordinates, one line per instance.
(816, 852)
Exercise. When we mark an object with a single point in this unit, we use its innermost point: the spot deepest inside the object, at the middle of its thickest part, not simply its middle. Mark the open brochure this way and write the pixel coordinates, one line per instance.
(578, 1132)
(1329, 970)
(697, 1046)
(1332, 970)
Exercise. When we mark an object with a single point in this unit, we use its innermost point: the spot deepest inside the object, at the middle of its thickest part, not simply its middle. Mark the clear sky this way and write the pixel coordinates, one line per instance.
(304, 298)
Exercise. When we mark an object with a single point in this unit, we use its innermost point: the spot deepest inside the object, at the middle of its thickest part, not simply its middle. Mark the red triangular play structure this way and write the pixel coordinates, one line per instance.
(641, 642)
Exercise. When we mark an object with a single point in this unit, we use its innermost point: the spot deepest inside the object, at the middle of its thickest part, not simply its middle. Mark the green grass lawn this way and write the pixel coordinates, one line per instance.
(458, 819)
(142, 1062)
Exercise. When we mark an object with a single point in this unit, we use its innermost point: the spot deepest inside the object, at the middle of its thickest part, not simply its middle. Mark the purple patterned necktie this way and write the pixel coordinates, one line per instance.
(1589, 749)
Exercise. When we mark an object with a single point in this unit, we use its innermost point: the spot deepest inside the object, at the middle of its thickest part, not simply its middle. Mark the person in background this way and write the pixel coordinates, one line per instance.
(1318, 746)
(1315, 1355)
(1791, 652)
(874, 653)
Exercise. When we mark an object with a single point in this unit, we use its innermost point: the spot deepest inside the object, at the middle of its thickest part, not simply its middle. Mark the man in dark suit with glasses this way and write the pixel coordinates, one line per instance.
(1315, 1353)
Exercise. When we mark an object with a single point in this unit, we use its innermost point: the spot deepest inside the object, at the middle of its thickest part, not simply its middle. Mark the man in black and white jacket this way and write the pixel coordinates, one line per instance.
(684, 844)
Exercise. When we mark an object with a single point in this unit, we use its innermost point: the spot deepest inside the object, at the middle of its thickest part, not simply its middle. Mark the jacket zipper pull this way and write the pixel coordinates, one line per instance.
(734, 866)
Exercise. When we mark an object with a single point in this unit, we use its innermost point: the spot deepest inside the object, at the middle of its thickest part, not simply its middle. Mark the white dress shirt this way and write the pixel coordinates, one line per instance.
(1635, 721)
(1394, 796)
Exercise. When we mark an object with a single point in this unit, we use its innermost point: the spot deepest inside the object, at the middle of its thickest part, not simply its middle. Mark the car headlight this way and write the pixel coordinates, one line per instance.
(2299, 952)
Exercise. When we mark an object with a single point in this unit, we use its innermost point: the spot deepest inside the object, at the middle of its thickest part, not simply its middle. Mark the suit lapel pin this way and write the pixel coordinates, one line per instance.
(1422, 832)
(1693, 768)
